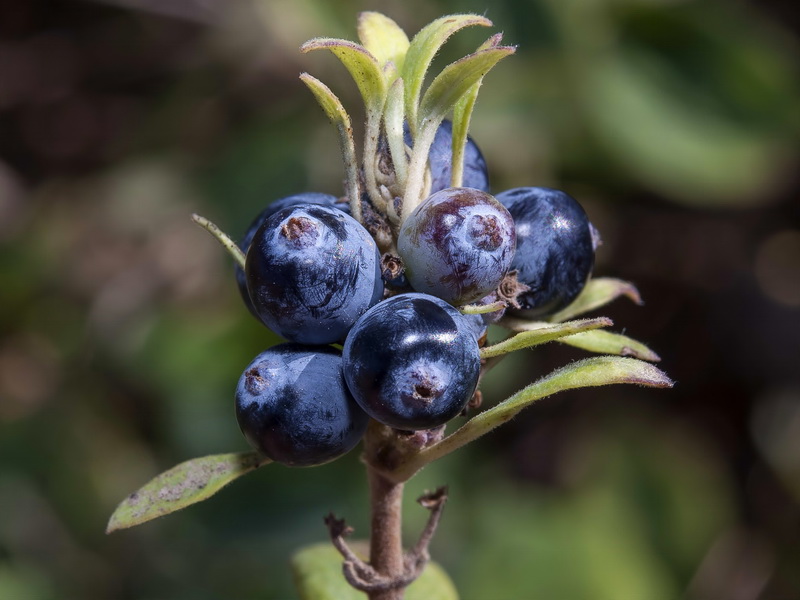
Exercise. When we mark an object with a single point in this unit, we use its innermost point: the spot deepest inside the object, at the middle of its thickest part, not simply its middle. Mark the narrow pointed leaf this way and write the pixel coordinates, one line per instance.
(223, 238)
(590, 372)
(462, 113)
(598, 292)
(383, 38)
(183, 485)
(362, 65)
(456, 79)
(606, 342)
(318, 575)
(423, 48)
(542, 335)
(334, 110)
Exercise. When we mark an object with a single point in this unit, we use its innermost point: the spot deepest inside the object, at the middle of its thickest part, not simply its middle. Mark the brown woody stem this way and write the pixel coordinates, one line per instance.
(386, 544)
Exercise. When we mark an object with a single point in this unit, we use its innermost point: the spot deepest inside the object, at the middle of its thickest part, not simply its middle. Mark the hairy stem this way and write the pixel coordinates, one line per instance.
(386, 543)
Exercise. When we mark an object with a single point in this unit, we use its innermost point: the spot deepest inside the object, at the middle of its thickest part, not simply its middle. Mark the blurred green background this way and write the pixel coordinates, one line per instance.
(674, 122)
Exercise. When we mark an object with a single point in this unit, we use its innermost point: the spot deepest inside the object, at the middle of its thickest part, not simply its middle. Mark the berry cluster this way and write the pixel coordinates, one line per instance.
(410, 358)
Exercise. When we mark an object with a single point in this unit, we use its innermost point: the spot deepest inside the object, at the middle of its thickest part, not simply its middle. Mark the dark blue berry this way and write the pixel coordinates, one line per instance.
(412, 362)
(555, 250)
(293, 406)
(311, 272)
(272, 208)
(457, 245)
(440, 158)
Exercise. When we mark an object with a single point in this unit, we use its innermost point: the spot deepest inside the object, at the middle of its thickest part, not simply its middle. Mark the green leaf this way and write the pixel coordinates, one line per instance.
(383, 38)
(361, 64)
(598, 292)
(462, 113)
(453, 82)
(542, 334)
(226, 242)
(334, 110)
(590, 372)
(318, 575)
(606, 342)
(456, 79)
(185, 484)
(423, 48)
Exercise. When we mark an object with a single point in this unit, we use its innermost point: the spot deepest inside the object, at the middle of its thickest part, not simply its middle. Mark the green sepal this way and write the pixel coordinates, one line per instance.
(606, 342)
(362, 65)
(384, 39)
(543, 334)
(590, 372)
(420, 53)
(183, 485)
(597, 292)
(318, 575)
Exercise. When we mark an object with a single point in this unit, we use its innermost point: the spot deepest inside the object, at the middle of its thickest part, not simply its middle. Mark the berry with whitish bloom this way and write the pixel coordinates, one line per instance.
(311, 272)
(293, 406)
(272, 208)
(457, 245)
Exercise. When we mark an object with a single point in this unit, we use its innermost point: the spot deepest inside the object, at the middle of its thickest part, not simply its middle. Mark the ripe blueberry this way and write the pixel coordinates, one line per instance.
(311, 272)
(293, 406)
(272, 208)
(457, 245)
(555, 250)
(440, 158)
(412, 362)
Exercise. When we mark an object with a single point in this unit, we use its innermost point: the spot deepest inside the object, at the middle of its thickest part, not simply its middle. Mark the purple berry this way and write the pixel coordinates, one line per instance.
(412, 362)
(457, 245)
(293, 406)
(272, 208)
(440, 158)
(555, 249)
(311, 272)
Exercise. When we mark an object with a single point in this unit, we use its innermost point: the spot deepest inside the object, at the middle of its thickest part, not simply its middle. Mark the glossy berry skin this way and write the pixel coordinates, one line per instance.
(440, 158)
(272, 208)
(311, 272)
(293, 406)
(412, 362)
(457, 245)
(555, 250)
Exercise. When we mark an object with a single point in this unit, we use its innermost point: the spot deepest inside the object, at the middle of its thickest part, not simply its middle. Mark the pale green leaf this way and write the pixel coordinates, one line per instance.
(606, 342)
(383, 38)
(318, 575)
(183, 485)
(462, 113)
(598, 292)
(362, 65)
(423, 48)
(542, 335)
(223, 238)
(455, 80)
(590, 372)
(334, 110)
